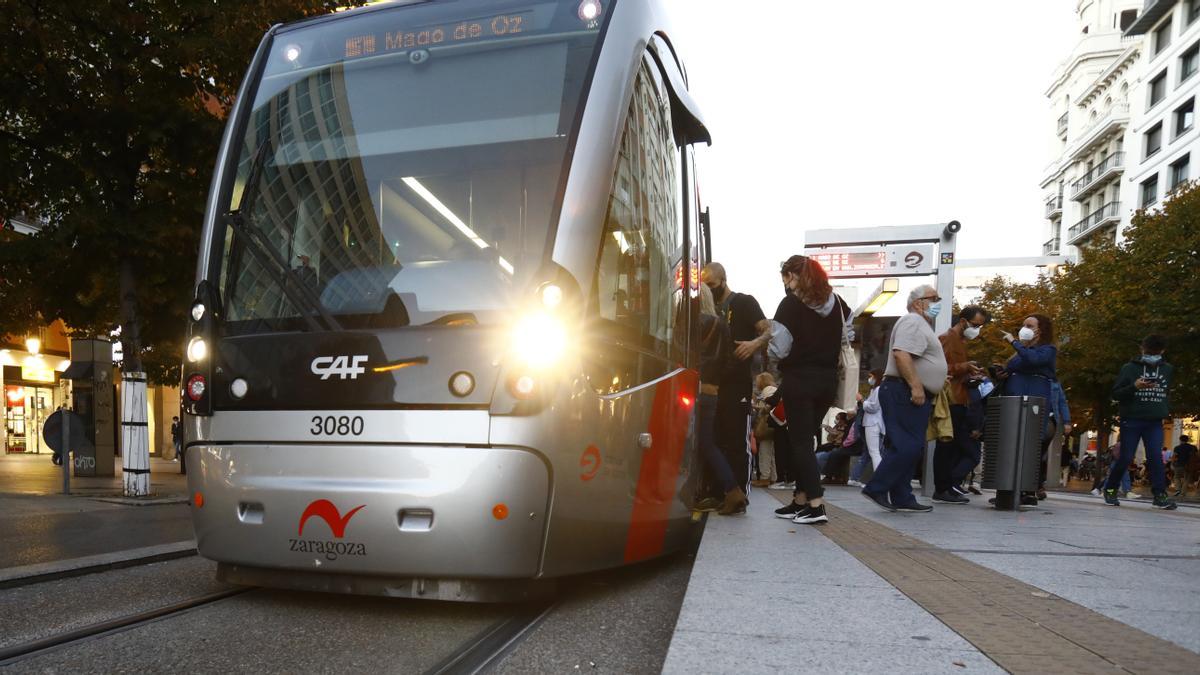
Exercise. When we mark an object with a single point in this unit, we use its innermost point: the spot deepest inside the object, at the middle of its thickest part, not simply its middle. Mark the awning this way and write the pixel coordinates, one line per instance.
(81, 370)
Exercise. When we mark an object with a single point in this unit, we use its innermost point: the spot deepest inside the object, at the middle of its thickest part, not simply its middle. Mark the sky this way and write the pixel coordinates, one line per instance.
(854, 114)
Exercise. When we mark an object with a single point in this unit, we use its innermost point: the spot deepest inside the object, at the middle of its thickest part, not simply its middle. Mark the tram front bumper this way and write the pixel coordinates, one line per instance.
(397, 511)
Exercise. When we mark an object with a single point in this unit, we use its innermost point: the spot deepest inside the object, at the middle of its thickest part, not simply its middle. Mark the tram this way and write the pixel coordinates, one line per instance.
(443, 343)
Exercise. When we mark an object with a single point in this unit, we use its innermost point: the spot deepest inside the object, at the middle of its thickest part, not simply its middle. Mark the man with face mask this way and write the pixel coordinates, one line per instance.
(751, 332)
(1141, 392)
(954, 459)
(916, 372)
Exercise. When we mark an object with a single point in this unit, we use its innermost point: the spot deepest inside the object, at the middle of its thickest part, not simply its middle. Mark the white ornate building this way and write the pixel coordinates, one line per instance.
(1123, 103)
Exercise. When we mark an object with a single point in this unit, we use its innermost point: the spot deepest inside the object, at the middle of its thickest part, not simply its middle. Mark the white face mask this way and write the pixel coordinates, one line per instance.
(1025, 334)
(971, 332)
(871, 381)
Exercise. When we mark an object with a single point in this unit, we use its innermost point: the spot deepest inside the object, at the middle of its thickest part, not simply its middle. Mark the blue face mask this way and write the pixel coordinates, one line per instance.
(934, 309)
(1151, 359)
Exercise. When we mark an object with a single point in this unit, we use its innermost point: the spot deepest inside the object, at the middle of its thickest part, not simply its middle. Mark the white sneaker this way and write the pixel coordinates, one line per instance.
(854, 483)
(1096, 492)
(779, 486)
(1132, 495)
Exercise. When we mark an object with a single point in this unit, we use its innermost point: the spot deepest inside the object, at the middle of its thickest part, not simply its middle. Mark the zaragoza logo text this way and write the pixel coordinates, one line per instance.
(342, 366)
(325, 510)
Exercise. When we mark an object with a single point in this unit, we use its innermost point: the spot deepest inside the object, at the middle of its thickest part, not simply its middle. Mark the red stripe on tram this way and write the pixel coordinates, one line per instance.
(658, 476)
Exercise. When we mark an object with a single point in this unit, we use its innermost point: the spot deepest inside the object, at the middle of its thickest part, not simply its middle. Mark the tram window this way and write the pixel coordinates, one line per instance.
(635, 291)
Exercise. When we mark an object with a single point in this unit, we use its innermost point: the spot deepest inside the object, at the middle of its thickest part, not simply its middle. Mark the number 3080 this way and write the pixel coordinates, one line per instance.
(336, 426)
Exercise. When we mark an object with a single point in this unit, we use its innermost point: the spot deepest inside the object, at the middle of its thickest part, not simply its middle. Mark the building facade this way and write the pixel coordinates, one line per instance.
(1123, 104)
(1162, 123)
(1090, 98)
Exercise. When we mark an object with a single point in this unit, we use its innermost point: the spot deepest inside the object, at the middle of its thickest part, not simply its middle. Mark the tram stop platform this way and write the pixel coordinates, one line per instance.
(1072, 586)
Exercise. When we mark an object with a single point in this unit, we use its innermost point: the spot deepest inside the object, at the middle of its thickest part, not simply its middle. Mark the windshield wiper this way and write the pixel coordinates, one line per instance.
(300, 295)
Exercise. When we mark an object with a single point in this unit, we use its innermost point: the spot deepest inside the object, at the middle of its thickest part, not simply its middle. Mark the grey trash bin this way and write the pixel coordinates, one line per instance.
(1012, 437)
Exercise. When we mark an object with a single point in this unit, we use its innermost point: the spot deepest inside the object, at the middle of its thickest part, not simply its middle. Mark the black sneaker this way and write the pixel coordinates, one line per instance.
(1029, 499)
(880, 500)
(950, 497)
(1161, 501)
(1110, 497)
(790, 510)
(813, 515)
(958, 490)
(915, 507)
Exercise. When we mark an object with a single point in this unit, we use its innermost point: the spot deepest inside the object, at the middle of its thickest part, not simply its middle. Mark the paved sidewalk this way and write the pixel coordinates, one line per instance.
(1072, 586)
(767, 596)
(40, 526)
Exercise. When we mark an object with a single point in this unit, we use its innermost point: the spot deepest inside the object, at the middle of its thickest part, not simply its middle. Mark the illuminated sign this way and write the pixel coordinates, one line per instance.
(874, 261)
(36, 370)
(451, 33)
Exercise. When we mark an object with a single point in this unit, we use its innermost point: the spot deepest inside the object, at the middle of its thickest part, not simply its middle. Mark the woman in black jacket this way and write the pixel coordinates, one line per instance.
(814, 315)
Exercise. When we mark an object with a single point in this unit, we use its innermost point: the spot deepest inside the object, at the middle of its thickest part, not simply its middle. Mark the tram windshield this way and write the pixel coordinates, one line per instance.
(402, 166)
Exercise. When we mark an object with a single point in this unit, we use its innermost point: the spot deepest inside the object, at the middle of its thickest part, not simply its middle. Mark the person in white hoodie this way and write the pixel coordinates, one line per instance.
(873, 430)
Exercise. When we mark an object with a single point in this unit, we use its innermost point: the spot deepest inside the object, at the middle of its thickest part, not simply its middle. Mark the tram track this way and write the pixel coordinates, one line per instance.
(33, 648)
(483, 651)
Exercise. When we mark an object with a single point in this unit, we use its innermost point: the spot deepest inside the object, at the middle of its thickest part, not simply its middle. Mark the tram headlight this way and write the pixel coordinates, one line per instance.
(196, 386)
(589, 10)
(539, 340)
(197, 311)
(197, 349)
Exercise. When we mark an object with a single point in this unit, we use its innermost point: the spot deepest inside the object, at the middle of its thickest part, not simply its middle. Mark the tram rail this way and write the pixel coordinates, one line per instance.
(19, 652)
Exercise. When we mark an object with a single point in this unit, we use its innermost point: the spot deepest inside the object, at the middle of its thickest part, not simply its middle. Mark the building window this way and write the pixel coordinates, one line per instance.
(1184, 117)
(1154, 139)
(1193, 11)
(1189, 61)
(1128, 17)
(1179, 171)
(1149, 191)
(1158, 88)
(1162, 37)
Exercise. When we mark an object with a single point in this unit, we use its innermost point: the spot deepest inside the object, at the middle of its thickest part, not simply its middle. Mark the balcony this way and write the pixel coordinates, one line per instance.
(1052, 247)
(1062, 126)
(1112, 166)
(1054, 206)
(1100, 131)
(1109, 214)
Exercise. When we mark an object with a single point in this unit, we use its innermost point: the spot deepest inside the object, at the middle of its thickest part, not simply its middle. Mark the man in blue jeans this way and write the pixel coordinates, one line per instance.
(916, 372)
(1141, 392)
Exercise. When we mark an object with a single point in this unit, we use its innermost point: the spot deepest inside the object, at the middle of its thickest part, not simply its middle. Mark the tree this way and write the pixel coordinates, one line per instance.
(109, 126)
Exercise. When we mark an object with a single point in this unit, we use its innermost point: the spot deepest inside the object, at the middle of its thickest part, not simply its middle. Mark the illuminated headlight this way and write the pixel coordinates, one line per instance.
(197, 349)
(589, 10)
(197, 311)
(291, 53)
(552, 296)
(539, 340)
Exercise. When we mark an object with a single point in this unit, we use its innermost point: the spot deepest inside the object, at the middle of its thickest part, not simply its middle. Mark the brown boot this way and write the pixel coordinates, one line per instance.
(735, 502)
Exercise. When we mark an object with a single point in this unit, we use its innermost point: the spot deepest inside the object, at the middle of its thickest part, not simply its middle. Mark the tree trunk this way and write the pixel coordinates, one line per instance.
(135, 446)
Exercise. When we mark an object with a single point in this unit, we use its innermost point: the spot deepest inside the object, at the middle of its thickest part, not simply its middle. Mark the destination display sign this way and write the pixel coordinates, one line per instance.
(500, 25)
(894, 260)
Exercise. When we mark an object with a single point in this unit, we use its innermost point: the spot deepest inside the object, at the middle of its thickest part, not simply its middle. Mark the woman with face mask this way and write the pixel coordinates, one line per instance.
(1030, 371)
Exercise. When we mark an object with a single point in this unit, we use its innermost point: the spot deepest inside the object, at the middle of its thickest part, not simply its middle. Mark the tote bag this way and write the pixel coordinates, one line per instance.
(847, 382)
